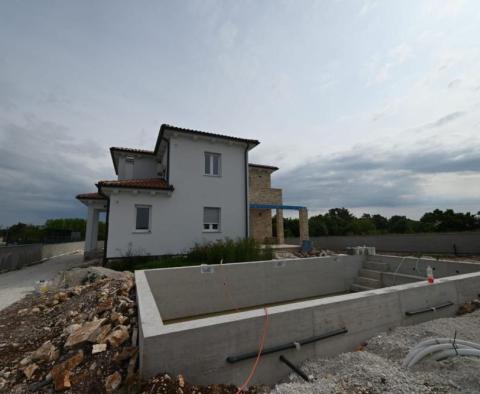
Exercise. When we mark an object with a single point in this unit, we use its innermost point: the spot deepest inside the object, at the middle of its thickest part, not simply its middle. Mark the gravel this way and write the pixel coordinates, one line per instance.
(378, 368)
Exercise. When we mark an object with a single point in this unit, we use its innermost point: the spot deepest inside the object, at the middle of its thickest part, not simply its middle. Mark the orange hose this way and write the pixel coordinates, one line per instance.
(260, 348)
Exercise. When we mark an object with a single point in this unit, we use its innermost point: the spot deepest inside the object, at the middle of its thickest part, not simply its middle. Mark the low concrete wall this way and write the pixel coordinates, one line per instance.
(18, 256)
(242, 285)
(403, 270)
(418, 266)
(198, 348)
(434, 243)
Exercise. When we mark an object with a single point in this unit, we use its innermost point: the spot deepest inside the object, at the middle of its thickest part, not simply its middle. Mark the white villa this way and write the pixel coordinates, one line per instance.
(192, 188)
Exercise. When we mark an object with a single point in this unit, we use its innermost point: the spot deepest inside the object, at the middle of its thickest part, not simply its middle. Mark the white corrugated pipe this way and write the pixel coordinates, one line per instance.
(441, 348)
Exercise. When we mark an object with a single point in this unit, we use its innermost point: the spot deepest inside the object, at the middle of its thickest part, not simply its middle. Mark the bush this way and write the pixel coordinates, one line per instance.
(228, 250)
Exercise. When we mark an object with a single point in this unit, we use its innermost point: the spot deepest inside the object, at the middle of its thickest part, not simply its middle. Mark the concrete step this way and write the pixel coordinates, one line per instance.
(356, 288)
(376, 266)
(370, 274)
(392, 278)
(369, 282)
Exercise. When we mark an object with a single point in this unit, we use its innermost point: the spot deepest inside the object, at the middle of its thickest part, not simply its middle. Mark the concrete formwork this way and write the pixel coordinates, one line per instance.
(198, 348)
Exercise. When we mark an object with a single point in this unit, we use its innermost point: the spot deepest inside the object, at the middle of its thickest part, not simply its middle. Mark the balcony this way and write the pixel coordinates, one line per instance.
(266, 196)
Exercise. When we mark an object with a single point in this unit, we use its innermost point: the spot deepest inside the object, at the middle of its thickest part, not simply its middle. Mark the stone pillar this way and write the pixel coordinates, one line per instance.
(279, 222)
(303, 224)
(91, 232)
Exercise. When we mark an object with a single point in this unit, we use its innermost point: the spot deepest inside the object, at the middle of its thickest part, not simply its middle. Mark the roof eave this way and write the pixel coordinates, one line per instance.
(250, 143)
(167, 189)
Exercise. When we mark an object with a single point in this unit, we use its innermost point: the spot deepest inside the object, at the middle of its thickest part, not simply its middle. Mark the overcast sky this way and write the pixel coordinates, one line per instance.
(371, 105)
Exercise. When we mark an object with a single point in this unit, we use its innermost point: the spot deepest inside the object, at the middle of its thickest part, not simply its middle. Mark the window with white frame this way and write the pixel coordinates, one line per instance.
(143, 217)
(211, 219)
(213, 164)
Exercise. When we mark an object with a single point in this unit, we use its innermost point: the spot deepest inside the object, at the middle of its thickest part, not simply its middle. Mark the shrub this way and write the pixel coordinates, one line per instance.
(229, 251)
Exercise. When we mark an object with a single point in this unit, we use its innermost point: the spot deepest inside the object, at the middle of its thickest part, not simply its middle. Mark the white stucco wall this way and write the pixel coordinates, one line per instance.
(143, 167)
(177, 220)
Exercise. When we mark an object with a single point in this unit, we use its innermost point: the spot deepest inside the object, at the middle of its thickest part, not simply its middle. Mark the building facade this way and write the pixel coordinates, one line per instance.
(192, 188)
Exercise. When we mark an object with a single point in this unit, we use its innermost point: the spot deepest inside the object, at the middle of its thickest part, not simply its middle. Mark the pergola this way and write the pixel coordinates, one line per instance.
(279, 208)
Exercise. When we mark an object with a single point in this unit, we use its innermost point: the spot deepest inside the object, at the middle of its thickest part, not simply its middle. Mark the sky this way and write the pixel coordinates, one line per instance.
(368, 105)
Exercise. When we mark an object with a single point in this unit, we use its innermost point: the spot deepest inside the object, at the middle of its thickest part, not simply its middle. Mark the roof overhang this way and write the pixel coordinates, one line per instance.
(152, 185)
(167, 130)
(263, 167)
(93, 199)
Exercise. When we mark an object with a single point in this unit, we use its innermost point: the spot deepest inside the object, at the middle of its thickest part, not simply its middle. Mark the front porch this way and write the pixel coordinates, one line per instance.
(97, 205)
(261, 222)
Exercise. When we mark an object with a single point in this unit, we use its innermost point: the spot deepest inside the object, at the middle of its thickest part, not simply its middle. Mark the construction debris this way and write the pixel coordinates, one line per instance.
(81, 339)
(165, 384)
(315, 253)
(72, 338)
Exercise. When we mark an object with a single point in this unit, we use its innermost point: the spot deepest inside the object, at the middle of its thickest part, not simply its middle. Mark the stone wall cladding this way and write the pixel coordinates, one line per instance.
(261, 224)
(259, 178)
(261, 192)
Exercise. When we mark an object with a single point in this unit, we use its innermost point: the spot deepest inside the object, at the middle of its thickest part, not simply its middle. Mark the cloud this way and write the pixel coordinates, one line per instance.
(380, 67)
(374, 177)
(444, 120)
(42, 168)
(367, 6)
(400, 53)
(454, 83)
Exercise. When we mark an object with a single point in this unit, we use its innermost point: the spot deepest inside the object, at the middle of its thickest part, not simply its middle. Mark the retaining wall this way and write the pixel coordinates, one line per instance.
(198, 348)
(433, 243)
(18, 256)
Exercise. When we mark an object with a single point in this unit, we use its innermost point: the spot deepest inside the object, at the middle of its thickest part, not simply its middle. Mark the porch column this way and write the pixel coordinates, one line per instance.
(91, 231)
(279, 222)
(303, 224)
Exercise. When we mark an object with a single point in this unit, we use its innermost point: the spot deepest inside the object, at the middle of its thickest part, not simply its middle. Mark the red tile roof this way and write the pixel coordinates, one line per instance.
(207, 134)
(149, 183)
(132, 150)
(90, 196)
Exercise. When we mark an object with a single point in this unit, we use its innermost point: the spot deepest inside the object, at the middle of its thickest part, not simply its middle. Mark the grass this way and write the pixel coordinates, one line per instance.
(228, 250)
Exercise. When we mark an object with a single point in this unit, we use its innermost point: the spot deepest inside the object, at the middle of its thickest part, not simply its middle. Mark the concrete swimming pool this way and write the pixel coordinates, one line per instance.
(205, 322)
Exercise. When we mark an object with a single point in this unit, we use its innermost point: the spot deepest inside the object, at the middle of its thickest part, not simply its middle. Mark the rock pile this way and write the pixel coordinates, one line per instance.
(315, 253)
(81, 339)
(165, 384)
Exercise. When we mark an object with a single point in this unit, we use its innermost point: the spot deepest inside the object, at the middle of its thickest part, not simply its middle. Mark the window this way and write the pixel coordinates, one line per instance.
(143, 218)
(213, 164)
(211, 219)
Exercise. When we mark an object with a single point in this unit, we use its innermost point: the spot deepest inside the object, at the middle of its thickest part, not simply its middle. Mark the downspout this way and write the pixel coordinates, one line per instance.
(168, 160)
(247, 209)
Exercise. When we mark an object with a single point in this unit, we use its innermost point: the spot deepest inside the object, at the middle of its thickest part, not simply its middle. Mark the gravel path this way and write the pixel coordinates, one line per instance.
(16, 284)
(378, 368)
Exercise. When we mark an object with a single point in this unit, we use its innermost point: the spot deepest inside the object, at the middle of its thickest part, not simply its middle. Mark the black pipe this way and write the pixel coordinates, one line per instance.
(291, 345)
(294, 368)
(429, 309)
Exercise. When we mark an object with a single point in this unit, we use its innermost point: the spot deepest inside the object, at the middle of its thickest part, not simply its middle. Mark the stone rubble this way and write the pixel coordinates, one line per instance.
(78, 339)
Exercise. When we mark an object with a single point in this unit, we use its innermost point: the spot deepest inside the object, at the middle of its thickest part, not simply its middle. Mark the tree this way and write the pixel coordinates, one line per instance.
(380, 222)
(399, 225)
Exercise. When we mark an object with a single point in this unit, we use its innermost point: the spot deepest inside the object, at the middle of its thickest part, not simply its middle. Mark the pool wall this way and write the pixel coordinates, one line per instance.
(199, 348)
